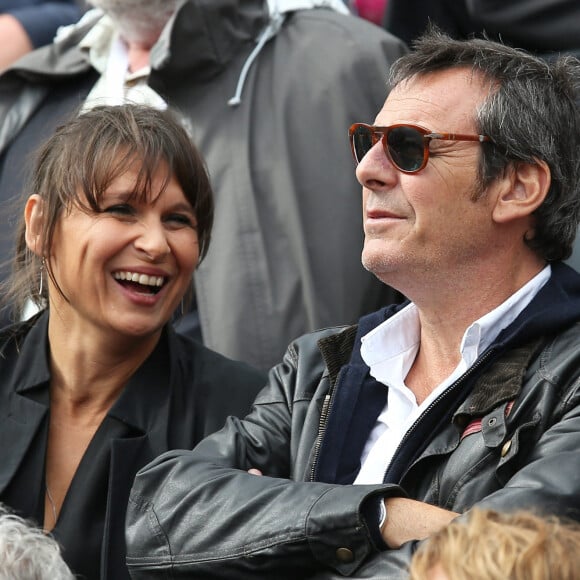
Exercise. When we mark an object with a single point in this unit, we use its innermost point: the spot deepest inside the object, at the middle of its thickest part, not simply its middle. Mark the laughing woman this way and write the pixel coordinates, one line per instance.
(97, 383)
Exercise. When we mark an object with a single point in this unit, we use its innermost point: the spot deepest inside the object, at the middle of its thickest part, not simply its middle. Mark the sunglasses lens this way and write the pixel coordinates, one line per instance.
(406, 147)
(362, 141)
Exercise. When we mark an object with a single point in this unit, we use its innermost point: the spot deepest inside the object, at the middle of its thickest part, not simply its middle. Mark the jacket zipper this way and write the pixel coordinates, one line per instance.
(413, 427)
(328, 398)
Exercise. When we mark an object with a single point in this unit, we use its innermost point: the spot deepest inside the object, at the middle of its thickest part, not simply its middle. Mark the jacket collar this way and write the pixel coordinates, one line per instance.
(31, 369)
(148, 388)
(501, 383)
(343, 347)
(25, 393)
(555, 307)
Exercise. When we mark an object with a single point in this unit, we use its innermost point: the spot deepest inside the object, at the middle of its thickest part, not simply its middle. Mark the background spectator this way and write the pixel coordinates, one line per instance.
(543, 27)
(28, 24)
(408, 19)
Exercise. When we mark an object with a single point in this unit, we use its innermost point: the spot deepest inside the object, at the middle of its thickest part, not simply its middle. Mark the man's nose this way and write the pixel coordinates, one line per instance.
(375, 169)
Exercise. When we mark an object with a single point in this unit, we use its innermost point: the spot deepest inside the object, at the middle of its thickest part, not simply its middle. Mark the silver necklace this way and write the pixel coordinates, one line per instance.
(51, 502)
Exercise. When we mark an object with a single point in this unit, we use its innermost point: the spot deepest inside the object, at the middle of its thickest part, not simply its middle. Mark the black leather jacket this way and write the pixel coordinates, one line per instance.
(510, 441)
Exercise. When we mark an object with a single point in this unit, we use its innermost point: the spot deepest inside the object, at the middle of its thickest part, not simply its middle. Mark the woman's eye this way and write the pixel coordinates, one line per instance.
(120, 209)
(180, 219)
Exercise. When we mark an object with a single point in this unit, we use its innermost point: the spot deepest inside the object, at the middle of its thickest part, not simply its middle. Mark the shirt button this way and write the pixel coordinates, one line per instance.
(344, 555)
(506, 447)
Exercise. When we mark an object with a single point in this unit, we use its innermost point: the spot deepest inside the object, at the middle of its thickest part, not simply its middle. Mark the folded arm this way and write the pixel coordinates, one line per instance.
(201, 514)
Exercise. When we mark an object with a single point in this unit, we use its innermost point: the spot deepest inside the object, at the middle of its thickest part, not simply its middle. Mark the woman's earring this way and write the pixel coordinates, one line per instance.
(41, 287)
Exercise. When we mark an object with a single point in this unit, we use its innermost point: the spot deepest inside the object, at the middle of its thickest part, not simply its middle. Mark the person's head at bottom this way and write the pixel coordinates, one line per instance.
(488, 545)
(27, 553)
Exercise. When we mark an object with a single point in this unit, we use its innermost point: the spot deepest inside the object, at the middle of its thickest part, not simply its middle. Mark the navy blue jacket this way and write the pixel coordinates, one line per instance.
(40, 18)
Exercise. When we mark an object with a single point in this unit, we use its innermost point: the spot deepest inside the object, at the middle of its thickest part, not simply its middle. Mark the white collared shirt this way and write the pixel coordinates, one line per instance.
(108, 54)
(390, 349)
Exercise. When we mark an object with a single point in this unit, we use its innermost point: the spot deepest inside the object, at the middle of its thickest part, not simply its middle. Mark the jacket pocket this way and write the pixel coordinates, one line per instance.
(485, 460)
(514, 450)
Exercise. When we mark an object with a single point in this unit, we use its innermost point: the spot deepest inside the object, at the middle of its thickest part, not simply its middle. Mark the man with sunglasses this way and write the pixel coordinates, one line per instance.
(372, 437)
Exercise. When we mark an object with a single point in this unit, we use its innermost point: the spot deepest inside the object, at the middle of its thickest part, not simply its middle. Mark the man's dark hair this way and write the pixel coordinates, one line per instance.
(531, 113)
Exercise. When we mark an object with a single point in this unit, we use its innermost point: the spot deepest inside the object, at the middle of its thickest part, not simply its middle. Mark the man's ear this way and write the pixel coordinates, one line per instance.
(522, 190)
(34, 219)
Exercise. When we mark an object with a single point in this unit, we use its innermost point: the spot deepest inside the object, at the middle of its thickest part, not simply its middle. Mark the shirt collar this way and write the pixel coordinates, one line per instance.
(485, 330)
(392, 338)
(390, 348)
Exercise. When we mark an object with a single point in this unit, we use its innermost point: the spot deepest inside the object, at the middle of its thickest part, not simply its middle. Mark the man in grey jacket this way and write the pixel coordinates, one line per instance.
(268, 89)
(372, 437)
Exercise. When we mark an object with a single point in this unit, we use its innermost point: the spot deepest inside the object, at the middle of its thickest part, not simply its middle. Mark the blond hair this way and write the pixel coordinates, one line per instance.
(488, 545)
